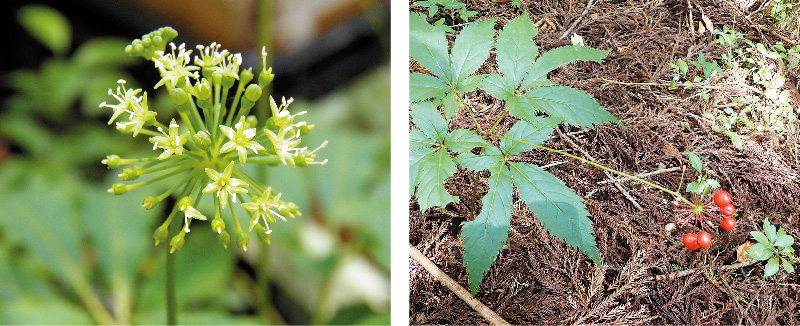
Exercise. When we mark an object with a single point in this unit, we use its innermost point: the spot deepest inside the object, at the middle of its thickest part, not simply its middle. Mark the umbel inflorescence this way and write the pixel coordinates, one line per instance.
(204, 150)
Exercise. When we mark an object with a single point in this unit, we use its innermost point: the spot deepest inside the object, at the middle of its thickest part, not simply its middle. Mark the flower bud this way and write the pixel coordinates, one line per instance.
(224, 238)
(184, 203)
(112, 161)
(131, 173)
(251, 121)
(118, 188)
(161, 234)
(246, 76)
(304, 128)
(177, 242)
(242, 240)
(263, 235)
(202, 139)
(202, 90)
(180, 99)
(252, 93)
(150, 202)
(218, 225)
(227, 81)
(265, 77)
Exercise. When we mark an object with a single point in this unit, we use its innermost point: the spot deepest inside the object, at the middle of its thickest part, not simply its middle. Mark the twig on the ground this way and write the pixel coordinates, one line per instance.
(694, 270)
(608, 174)
(691, 19)
(451, 284)
(577, 20)
(642, 175)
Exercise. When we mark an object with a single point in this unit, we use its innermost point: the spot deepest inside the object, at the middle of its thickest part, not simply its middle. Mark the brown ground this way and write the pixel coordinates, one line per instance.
(538, 279)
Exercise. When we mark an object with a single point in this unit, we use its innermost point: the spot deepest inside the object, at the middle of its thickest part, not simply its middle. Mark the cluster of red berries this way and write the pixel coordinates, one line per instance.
(703, 239)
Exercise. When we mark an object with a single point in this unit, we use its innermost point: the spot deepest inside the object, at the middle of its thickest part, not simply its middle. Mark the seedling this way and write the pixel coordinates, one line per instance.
(773, 246)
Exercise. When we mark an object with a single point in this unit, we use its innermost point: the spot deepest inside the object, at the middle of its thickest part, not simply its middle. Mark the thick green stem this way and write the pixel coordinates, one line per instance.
(632, 177)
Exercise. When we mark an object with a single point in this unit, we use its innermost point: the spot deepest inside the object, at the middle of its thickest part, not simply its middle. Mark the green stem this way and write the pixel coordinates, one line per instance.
(497, 122)
(172, 302)
(464, 102)
(674, 193)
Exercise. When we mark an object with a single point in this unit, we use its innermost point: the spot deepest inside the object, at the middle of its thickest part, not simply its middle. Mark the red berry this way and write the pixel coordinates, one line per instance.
(728, 210)
(690, 241)
(727, 223)
(722, 198)
(704, 239)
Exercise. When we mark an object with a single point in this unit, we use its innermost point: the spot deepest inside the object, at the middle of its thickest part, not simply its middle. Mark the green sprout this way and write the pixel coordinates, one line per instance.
(774, 246)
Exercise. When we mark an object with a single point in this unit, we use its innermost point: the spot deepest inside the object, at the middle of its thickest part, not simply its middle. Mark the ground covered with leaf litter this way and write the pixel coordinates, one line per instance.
(538, 279)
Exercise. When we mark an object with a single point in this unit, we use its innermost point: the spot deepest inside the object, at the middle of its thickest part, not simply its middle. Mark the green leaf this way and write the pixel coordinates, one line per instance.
(463, 140)
(693, 187)
(759, 251)
(560, 102)
(760, 237)
(422, 87)
(450, 105)
(485, 161)
(484, 236)
(516, 50)
(708, 67)
(434, 169)
(119, 229)
(787, 265)
(469, 83)
(784, 241)
(770, 231)
(558, 57)
(558, 207)
(48, 26)
(419, 140)
(696, 163)
(103, 53)
(498, 86)
(428, 119)
(471, 49)
(772, 267)
(534, 132)
(428, 46)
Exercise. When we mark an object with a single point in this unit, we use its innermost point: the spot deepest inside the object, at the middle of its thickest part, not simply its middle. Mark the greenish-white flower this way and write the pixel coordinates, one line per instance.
(240, 139)
(173, 67)
(171, 143)
(224, 186)
(124, 96)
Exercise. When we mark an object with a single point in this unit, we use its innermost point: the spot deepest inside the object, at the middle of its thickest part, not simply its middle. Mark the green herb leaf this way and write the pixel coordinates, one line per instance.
(535, 132)
(760, 237)
(422, 87)
(484, 236)
(696, 162)
(558, 57)
(560, 210)
(574, 106)
(428, 45)
(471, 49)
(770, 231)
(430, 167)
(516, 50)
(463, 140)
(485, 161)
(48, 26)
(772, 267)
(787, 265)
(759, 251)
(784, 241)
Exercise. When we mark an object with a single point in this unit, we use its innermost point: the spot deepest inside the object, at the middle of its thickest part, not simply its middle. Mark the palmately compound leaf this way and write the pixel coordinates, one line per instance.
(523, 80)
(484, 236)
(560, 210)
(429, 163)
(452, 71)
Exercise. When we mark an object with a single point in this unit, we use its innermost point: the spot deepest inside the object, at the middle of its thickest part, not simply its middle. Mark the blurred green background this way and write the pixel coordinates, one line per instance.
(70, 253)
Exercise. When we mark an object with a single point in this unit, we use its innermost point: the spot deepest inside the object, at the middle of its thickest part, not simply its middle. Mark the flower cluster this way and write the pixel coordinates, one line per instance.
(200, 151)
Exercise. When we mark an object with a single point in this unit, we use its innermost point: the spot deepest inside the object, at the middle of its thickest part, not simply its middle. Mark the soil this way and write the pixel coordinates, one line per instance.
(538, 279)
